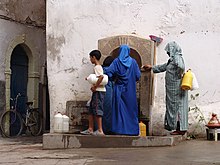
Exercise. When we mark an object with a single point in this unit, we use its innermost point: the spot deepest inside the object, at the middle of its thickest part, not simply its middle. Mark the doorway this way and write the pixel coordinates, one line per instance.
(19, 77)
(22, 73)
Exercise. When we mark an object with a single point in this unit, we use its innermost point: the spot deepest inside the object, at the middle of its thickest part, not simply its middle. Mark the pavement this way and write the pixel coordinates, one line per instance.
(27, 150)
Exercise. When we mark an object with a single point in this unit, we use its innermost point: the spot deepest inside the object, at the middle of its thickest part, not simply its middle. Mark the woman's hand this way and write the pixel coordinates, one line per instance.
(147, 67)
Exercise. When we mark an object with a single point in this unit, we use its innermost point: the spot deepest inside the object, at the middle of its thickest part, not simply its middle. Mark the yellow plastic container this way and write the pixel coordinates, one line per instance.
(187, 80)
(142, 128)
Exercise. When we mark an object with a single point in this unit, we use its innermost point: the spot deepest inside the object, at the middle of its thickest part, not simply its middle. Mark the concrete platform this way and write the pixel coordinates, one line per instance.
(65, 141)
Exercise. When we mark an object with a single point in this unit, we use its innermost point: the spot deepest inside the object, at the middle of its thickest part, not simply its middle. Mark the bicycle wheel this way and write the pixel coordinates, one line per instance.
(11, 123)
(34, 122)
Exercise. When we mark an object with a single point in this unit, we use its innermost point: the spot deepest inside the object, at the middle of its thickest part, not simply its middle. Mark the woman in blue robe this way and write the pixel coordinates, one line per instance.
(124, 107)
(107, 105)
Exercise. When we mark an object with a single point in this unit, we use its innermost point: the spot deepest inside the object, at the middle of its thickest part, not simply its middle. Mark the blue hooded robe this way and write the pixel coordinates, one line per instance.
(107, 105)
(124, 107)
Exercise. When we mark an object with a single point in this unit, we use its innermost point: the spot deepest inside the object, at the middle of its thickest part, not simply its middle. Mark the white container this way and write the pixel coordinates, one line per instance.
(195, 84)
(92, 79)
(58, 123)
(65, 124)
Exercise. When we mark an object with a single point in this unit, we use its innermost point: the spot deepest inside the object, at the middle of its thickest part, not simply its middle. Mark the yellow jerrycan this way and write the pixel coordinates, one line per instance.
(142, 128)
(187, 80)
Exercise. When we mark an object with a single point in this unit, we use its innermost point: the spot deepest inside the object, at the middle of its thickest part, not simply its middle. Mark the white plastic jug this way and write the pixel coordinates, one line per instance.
(92, 79)
(65, 124)
(195, 84)
(58, 123)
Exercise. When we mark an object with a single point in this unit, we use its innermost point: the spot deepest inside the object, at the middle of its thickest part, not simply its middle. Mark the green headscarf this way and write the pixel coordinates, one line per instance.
(173, 48)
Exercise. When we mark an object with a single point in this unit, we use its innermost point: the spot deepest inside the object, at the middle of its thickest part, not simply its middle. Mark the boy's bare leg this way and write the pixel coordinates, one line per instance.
(91, 123)
(99, 123)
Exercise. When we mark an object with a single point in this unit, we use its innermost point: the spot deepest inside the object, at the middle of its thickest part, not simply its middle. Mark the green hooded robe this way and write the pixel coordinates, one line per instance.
(176, 98)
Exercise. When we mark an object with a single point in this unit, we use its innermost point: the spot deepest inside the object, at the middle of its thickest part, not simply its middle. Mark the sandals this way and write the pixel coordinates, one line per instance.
(87, 132)
(96, 133)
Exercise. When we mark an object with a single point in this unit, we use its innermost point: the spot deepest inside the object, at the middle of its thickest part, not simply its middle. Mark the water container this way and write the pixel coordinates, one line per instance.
(187, 80)
(58, 123)
(65, 124)
(92, 79)
(142, 128)
(195, 84)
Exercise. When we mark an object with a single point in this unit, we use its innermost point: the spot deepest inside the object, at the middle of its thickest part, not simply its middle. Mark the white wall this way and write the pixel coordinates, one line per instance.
(74, 27)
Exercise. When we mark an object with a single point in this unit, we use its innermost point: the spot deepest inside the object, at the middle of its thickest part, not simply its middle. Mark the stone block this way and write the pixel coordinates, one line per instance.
(78, 114)
(67, 141)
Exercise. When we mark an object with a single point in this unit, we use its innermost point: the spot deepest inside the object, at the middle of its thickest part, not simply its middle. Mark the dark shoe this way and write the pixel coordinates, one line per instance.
(182, 132)
(178, 133)
(174, 133)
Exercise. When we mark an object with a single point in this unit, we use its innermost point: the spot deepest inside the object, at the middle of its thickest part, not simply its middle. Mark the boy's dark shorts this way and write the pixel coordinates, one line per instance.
(96, 104)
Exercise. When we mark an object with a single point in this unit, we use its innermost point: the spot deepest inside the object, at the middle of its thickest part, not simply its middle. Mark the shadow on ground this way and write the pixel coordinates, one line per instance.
(24, 139)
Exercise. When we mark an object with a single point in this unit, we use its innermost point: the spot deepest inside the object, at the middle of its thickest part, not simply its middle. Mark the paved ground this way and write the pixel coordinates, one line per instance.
(28, 151)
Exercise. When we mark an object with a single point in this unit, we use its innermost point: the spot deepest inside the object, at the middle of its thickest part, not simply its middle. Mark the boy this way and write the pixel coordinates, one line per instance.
(98, 94)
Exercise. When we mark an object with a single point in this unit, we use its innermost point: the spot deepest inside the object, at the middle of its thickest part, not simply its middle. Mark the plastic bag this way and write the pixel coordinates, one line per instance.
(195, 84)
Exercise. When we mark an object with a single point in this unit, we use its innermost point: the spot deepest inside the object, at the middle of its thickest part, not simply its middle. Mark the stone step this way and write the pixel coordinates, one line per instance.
(65, 141)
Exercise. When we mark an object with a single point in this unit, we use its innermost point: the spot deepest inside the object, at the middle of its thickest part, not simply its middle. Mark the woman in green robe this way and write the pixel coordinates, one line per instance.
(176, 117)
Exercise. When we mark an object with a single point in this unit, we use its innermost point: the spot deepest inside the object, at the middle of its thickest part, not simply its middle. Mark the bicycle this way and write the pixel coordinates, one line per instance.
(12, 123)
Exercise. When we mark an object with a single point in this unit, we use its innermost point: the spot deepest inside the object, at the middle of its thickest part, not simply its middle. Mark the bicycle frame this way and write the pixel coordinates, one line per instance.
(12, 122)
(26, 116)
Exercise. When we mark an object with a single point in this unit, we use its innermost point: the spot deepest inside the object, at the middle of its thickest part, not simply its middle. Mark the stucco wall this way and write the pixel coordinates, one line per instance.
(25, 11)
(20, 20)
(34, 38)
(76, 26)
(9, 32)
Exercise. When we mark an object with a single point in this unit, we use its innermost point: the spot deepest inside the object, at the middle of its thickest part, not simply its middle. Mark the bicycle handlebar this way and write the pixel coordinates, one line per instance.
(15, 100)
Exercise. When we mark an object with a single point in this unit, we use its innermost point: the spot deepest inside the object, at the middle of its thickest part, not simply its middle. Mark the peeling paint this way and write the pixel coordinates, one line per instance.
(66, 142)
(70, 70)
(54, 46)
(85, 61)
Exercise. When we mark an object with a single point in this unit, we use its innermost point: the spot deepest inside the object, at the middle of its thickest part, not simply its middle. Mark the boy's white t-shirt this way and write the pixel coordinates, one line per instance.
(98, 72)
